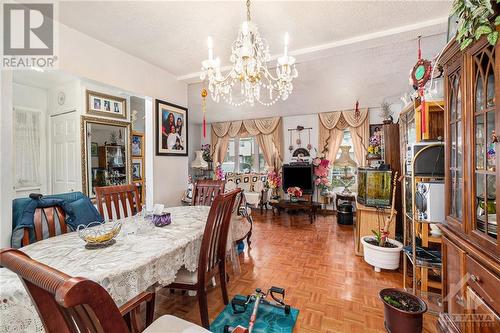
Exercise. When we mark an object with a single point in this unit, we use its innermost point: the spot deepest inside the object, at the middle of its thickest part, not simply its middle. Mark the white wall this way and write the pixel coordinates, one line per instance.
(6, 154)
(84, 56)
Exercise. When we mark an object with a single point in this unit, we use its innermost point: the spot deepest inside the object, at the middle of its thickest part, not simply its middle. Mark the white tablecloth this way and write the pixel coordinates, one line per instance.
(139, 259)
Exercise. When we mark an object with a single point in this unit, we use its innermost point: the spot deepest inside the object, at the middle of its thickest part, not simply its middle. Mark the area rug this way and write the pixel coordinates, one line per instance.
(269, 319)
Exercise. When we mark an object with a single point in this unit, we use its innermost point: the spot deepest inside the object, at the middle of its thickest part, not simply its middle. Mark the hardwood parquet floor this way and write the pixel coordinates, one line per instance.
(335, 290)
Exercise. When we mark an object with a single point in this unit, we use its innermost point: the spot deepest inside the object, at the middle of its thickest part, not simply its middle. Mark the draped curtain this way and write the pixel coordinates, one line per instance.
(268, 133)
(332, 126)
(27, 148)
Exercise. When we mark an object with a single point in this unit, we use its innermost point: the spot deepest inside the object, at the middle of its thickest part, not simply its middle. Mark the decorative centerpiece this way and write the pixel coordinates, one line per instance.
(378, 250)
(219, 173)
(97, 234)
(274, 182)
(207, 155)
(161, 219)
(321, 171)
(294, 193)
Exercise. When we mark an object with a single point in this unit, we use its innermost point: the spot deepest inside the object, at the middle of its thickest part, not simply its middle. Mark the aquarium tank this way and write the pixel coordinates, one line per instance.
(374, 187)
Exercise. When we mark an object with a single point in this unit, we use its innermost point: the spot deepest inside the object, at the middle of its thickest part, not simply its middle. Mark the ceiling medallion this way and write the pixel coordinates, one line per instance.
(249, 57)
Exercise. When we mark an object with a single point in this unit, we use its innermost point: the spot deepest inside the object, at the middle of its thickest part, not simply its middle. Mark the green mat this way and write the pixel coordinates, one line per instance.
(269, 319)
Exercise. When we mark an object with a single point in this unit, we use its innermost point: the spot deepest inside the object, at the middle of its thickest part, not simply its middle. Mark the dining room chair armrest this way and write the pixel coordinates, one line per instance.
(132, 314)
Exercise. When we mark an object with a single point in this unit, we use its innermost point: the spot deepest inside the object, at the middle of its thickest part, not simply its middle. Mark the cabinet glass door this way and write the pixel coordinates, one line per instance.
(456, 147)
(484, 159)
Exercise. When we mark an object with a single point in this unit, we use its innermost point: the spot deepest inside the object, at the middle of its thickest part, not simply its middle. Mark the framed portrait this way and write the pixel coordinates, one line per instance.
(94, 149)
(376, 128)
(100, 104)
(137, 144)
(136, 169)
(171, 129)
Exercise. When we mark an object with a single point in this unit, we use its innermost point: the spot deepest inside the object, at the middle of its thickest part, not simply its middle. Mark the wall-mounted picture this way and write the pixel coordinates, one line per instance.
(171, 129)
(376, 129)
(136, 169)
(137, 144)
(100, 104)
(94, 146)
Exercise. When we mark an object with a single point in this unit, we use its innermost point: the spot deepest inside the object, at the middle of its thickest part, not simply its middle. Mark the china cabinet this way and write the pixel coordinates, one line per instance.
(471, 248)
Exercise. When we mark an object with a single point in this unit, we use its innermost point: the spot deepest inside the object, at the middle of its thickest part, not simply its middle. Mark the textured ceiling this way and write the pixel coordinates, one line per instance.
(172, 34)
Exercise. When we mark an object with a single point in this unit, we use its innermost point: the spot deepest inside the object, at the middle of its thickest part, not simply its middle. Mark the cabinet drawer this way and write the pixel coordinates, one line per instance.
(484, 283)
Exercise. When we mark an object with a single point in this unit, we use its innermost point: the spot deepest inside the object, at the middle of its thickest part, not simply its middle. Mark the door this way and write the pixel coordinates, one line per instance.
(65, 153)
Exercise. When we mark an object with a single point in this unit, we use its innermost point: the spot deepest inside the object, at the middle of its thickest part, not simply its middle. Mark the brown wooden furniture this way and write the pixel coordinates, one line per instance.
(368, 219)
(471, 255)
(433, 120)
(50, 218)
(74, 304)
(242, 210)
(311, 207)
(392, 157)
(206, 190)
(212, 258)
(112, 197)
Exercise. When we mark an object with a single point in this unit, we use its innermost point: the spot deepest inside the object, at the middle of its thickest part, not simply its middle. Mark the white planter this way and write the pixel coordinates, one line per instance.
(382, 257)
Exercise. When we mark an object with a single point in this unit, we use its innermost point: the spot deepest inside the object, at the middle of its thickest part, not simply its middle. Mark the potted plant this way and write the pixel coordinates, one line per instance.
(379, 250)
(294, 193)
(386, 113)
(403, 312)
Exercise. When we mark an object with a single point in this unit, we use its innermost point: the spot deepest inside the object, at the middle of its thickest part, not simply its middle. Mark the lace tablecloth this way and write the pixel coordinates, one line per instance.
(140, 258)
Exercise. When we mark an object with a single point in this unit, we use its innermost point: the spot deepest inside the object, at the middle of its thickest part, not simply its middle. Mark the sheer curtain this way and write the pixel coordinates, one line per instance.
(27, 148)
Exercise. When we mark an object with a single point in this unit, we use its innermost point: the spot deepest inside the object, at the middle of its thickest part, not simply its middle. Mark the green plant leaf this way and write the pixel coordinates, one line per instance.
(483, 30)
(497, 19)
(493, 38)
(465, 43)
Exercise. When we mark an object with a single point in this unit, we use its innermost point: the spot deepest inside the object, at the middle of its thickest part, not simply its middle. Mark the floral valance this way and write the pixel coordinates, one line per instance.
(249, 127)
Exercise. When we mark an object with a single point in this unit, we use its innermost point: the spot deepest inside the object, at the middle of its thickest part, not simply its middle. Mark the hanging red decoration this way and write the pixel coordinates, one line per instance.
(204, 94)
(357, 114)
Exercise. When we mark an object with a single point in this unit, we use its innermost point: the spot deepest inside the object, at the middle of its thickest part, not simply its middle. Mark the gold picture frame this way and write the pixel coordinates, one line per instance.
(99, 104)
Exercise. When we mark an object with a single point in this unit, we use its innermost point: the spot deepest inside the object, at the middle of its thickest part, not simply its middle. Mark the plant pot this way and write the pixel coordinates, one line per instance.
(398, 320)
(381, 257)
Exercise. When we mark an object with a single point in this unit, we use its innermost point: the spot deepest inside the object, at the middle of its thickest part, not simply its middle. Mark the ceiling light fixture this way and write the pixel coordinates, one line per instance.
(249, 57)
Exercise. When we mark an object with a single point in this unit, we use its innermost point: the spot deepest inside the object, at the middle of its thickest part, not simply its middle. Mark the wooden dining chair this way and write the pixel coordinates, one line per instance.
(211, 260)
(73, 304)
(48, 222)
(206, 190)
(119, 201)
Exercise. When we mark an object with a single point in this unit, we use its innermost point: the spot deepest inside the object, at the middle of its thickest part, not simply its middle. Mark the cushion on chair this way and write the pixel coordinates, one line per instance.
(239, 227)
(186, 277)
(171, 324)
(252, 198)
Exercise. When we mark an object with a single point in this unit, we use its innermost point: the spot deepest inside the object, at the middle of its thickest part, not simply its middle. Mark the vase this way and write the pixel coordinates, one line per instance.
(294, 199)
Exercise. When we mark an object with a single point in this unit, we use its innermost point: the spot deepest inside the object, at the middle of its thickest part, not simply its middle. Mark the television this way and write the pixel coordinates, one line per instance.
(300, 175)
(374, 187)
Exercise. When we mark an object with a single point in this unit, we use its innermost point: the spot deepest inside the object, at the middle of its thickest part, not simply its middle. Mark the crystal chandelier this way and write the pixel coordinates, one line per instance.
(249, 57)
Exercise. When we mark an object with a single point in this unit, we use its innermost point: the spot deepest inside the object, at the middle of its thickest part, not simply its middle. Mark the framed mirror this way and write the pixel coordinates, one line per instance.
(106, 153)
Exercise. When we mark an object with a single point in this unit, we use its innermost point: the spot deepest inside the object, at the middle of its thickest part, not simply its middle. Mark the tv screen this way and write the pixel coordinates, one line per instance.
(298, 175)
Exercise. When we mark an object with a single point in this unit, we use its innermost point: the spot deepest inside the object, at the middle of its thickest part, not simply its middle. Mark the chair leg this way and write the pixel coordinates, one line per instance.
(202, 302)
(248, 237)
(223, 283)
(150, 310)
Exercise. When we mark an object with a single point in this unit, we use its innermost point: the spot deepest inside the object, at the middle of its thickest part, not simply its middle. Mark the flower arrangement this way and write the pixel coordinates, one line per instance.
(374, 144)
(321, 169)
(274, 182)
(219, 174)
(294, 192)
(207, 156)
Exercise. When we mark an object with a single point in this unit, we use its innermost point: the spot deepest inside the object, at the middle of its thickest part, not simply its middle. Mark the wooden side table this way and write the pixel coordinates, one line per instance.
(345, 197)
(367, 219)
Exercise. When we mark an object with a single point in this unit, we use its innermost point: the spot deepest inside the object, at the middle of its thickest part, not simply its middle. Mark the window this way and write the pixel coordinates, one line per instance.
(347, 141)
(27, 148)
(243, 156)
(338, 171)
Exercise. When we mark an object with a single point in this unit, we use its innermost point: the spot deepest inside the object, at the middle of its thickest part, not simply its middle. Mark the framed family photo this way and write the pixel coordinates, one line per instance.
(171, 129)
(137, 169)
(137, 144)
(100, 104)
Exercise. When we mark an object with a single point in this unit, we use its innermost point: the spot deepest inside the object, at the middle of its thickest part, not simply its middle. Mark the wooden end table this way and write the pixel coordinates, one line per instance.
(311, 207)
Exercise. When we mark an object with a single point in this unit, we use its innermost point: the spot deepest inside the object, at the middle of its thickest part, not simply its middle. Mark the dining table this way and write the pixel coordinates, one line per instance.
(144, 257)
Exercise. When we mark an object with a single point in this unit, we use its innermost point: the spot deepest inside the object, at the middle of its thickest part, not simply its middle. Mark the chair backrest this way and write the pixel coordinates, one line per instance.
(65, 304)
(49, 222)
(213, 244)
(206, 190)
(120, 201)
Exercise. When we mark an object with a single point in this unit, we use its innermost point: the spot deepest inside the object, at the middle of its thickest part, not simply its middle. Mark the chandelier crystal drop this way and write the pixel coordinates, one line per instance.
(249, 73)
